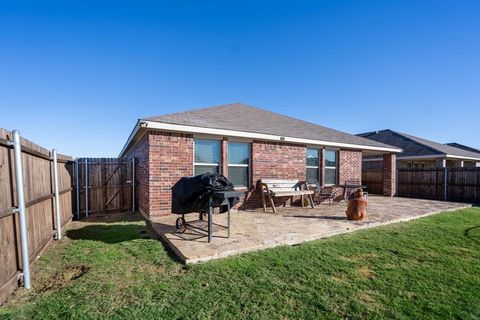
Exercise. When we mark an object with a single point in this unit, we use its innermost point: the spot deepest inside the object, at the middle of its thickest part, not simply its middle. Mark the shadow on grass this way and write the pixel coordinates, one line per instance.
(114, 233)
(317, 217)
(118, 233)
(113, 217)
(467, 231)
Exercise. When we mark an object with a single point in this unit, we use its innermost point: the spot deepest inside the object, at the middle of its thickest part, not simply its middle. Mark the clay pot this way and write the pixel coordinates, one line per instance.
(357, 206)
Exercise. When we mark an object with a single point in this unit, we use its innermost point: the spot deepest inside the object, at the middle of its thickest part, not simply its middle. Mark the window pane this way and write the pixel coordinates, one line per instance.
(330, 158)
(238, 176)
(312, 175)
(238, 153)
(207, 151)
(312, 157)
(330, 176)
(205, 169)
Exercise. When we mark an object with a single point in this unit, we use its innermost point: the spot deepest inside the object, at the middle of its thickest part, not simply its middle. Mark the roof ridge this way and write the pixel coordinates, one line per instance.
(194, 110)
(409, 137)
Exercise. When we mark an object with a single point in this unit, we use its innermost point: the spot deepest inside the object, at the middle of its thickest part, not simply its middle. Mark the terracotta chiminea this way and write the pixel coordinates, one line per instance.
(357, 206)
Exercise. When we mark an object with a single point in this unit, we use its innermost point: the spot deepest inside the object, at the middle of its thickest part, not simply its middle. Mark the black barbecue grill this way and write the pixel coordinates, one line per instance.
(202, 194)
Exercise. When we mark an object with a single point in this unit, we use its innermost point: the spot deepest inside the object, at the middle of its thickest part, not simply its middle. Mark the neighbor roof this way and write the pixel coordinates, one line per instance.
(415, 146)
(462, 146)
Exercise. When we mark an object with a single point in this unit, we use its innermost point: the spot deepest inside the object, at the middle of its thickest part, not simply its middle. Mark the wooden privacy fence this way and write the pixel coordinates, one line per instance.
(450, 184)
(39, 201)
(104, 185)
(373, 179)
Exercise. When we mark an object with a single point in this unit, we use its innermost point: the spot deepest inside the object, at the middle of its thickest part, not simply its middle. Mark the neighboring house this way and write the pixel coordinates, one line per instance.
(245, 144)
(464, 147)
(419, 153)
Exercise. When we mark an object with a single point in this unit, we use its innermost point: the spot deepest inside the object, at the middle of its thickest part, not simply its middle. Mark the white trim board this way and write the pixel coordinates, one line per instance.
(428, 157)
(251, 135)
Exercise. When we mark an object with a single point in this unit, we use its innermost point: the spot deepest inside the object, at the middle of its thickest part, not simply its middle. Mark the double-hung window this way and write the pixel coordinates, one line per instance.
(239, 163)
(331, 167)
(207, 156)
(313, 166)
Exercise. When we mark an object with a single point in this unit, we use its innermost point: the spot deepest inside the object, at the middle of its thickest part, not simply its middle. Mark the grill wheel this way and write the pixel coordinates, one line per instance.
(181, 225)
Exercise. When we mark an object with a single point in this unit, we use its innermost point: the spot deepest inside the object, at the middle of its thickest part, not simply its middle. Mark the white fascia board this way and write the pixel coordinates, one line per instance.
(260, 136)
(450, 156)
(432, 157)
(130, 138)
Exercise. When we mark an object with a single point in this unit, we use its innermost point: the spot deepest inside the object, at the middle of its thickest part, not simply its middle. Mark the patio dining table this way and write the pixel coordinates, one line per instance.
(347, 188)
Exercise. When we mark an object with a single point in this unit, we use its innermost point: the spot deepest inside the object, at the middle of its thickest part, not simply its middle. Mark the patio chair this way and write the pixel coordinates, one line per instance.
(326, 193)
(355, 182)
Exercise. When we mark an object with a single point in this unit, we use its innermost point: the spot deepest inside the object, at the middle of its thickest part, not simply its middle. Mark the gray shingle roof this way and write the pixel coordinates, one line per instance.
(464, 147)
(413, 145)
(241, 117)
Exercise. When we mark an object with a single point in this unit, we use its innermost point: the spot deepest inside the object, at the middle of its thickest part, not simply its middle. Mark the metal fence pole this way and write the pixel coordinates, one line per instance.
(86, 187)
(445, 184)
(396, 182)
(133, 185)
(77, 187)
(21, 208)
(58, 210)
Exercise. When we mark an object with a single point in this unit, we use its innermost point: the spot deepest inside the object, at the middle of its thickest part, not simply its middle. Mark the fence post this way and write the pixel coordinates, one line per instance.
(77, 187)
(133, 184)
(21, 208)
(445, 184)
(58, 211)
(86, 187)
(396, 182)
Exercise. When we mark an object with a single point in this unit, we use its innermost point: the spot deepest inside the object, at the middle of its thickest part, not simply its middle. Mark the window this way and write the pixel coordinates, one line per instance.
(207, 156)
(238, 164)
(313, 166)
(331, 165)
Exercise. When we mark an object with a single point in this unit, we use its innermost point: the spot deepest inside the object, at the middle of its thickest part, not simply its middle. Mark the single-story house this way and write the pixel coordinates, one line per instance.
(245, 144)
(419, 153)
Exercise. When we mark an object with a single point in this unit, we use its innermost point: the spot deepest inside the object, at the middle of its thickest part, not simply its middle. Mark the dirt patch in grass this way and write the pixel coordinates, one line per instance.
(368, 299)
(358, 257)
(339, 278)
(63, 278)
(366, 272)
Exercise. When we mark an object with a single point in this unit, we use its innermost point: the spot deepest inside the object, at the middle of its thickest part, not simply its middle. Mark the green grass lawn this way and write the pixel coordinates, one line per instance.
(428, 268)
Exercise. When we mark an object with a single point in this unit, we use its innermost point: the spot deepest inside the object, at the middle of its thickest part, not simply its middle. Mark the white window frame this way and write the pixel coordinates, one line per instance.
(248, 165)
(330, 167)
(206, 164)
(315, 167)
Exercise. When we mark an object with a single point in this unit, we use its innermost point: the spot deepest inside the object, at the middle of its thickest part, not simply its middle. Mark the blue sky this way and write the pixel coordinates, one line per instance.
(76, 75)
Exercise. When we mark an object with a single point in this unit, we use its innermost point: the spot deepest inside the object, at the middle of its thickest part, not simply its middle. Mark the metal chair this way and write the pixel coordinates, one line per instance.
(326, 193)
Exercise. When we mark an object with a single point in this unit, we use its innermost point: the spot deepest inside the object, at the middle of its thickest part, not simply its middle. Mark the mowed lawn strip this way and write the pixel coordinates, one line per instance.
(427, 268)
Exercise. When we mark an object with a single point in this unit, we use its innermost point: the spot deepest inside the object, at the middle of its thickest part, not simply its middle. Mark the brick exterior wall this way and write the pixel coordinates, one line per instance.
(140, 152)
(350, 166)
(163, 158)
(274, 160)
(389, 175)
(224, 157)
(170, 158)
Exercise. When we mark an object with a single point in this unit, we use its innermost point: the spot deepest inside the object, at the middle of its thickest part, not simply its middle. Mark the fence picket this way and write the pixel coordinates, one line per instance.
(452, 184)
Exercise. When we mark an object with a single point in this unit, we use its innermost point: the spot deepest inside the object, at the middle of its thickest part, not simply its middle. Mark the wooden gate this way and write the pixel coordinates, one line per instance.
(104, 185)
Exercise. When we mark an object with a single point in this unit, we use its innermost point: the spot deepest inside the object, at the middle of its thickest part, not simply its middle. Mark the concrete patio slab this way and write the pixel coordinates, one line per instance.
(255, 230)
